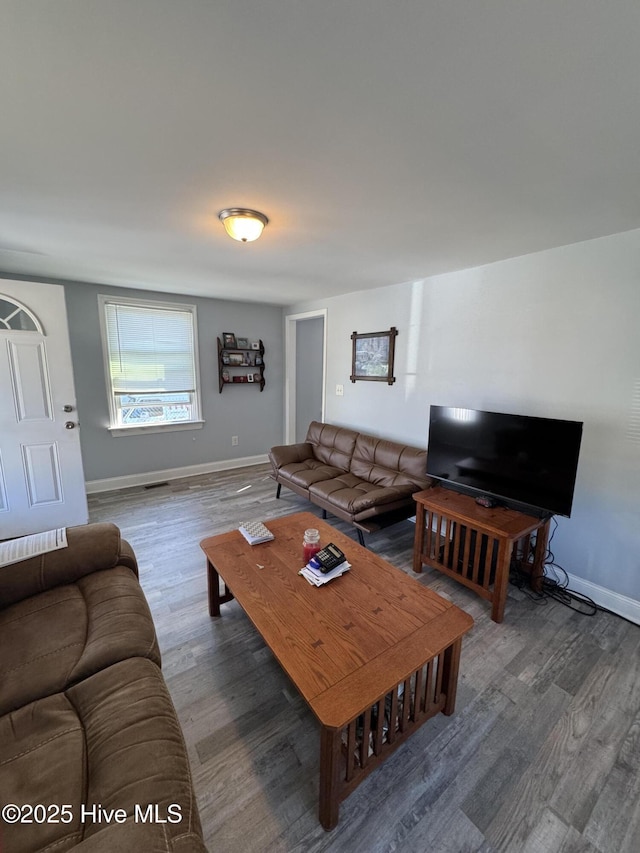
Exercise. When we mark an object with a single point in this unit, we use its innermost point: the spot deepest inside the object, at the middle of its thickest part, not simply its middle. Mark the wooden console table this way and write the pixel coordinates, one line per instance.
(475, 545)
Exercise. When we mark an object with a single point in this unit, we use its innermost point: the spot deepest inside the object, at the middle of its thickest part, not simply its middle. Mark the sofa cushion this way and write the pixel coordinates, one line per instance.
(388, 463)
(113, 741)
(353, 495)
(52, 640)
(308, 472)
(91, 548)
(331, 444)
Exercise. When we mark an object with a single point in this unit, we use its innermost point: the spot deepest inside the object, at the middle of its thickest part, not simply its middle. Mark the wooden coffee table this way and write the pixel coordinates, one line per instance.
(373, 653)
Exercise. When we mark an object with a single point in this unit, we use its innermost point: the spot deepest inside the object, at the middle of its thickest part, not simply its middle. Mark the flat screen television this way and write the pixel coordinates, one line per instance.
(529, 463)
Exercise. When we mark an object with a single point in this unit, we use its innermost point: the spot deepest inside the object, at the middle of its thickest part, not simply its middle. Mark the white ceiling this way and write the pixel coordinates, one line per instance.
(385, 141)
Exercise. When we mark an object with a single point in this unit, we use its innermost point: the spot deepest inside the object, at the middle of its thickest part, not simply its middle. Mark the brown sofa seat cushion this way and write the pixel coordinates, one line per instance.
(52, 640)
(308, 472)
(91, 548)
(111, 740)
(353, 495)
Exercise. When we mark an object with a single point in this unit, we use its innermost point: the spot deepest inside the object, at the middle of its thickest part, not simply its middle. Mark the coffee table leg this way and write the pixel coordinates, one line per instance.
(213, 583)
(330, 755)
(451, 664)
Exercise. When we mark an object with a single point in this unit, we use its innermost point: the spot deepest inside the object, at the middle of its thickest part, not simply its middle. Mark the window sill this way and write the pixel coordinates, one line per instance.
(145, 430)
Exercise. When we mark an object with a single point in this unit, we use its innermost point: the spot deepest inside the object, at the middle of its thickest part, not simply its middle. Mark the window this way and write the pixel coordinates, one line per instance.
(150, 356)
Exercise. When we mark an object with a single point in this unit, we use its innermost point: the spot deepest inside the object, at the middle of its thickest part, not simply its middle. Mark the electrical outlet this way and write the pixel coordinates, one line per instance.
(339, 390)
(234, 441)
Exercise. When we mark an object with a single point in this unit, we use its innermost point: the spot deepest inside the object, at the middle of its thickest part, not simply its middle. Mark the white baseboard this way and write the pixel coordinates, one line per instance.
(629, 608)
(110, 484)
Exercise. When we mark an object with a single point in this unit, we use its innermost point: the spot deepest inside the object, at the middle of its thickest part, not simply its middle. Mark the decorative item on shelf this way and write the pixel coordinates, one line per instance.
(372, 356)
(247, 363)
(255, 344)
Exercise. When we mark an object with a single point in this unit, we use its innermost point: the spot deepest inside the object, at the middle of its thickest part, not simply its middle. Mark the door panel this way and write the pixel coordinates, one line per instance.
(41, 475)
(30, 380)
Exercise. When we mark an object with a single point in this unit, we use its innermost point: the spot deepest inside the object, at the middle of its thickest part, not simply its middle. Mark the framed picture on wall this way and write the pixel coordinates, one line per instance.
(372, 356)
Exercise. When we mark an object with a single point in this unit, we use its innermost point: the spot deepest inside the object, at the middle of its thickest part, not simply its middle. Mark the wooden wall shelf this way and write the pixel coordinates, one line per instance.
(247, 362)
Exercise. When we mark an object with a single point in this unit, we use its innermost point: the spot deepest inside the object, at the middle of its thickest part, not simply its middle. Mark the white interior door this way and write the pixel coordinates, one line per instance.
(41, 476)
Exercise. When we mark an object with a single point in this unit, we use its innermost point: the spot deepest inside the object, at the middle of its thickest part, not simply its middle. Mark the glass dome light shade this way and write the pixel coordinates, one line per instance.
(242, 224)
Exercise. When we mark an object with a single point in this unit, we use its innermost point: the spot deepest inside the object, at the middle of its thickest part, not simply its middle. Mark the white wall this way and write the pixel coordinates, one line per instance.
(553, 334)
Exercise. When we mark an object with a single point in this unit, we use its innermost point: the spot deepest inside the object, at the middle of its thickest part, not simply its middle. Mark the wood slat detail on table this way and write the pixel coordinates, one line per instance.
(338, 704)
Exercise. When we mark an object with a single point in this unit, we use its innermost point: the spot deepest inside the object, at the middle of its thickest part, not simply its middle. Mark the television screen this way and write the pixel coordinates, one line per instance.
(528, 461)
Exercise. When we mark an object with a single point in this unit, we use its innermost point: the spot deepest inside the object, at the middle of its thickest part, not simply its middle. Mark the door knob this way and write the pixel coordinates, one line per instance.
(67, 408)
(70, 425)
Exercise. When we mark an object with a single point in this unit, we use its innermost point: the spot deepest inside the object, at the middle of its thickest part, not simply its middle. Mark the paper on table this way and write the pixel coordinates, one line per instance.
(30, 546)
(317, 578)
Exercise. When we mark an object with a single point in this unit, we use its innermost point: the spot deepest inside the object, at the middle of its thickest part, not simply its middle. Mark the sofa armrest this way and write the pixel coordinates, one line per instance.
(90, 548)
(287, 453)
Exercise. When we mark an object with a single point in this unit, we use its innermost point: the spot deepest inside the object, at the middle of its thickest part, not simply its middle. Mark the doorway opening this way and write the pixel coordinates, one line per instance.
(305, 369)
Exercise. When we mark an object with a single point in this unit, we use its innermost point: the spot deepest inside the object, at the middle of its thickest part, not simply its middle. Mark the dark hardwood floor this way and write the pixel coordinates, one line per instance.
(542, 754)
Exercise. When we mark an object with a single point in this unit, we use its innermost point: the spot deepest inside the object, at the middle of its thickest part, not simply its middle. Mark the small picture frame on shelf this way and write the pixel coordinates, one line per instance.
(242, 343)
(250, 377)
(229, 340)
(258, 360)
(225, 358)
(255, 344)
(225, 376)
(256, 377)
(236, 358)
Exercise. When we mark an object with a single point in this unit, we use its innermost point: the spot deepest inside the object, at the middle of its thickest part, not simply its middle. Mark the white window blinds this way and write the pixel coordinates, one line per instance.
(150, 349)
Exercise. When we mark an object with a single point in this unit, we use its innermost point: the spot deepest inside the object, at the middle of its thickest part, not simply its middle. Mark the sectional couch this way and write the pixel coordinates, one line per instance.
(362, 479)
(91, 750)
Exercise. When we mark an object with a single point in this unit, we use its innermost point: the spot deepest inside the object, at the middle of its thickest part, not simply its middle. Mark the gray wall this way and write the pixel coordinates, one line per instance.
(256, 418)
(553, 334)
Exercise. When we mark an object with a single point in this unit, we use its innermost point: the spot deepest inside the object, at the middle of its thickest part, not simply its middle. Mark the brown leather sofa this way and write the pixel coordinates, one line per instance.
(362, 479)
(92, 756)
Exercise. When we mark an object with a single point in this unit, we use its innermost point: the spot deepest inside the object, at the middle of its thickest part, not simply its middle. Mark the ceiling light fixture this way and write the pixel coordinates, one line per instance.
(242, 224)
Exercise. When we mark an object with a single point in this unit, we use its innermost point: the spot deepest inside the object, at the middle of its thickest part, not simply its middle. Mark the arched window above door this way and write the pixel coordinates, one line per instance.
(16, 318)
